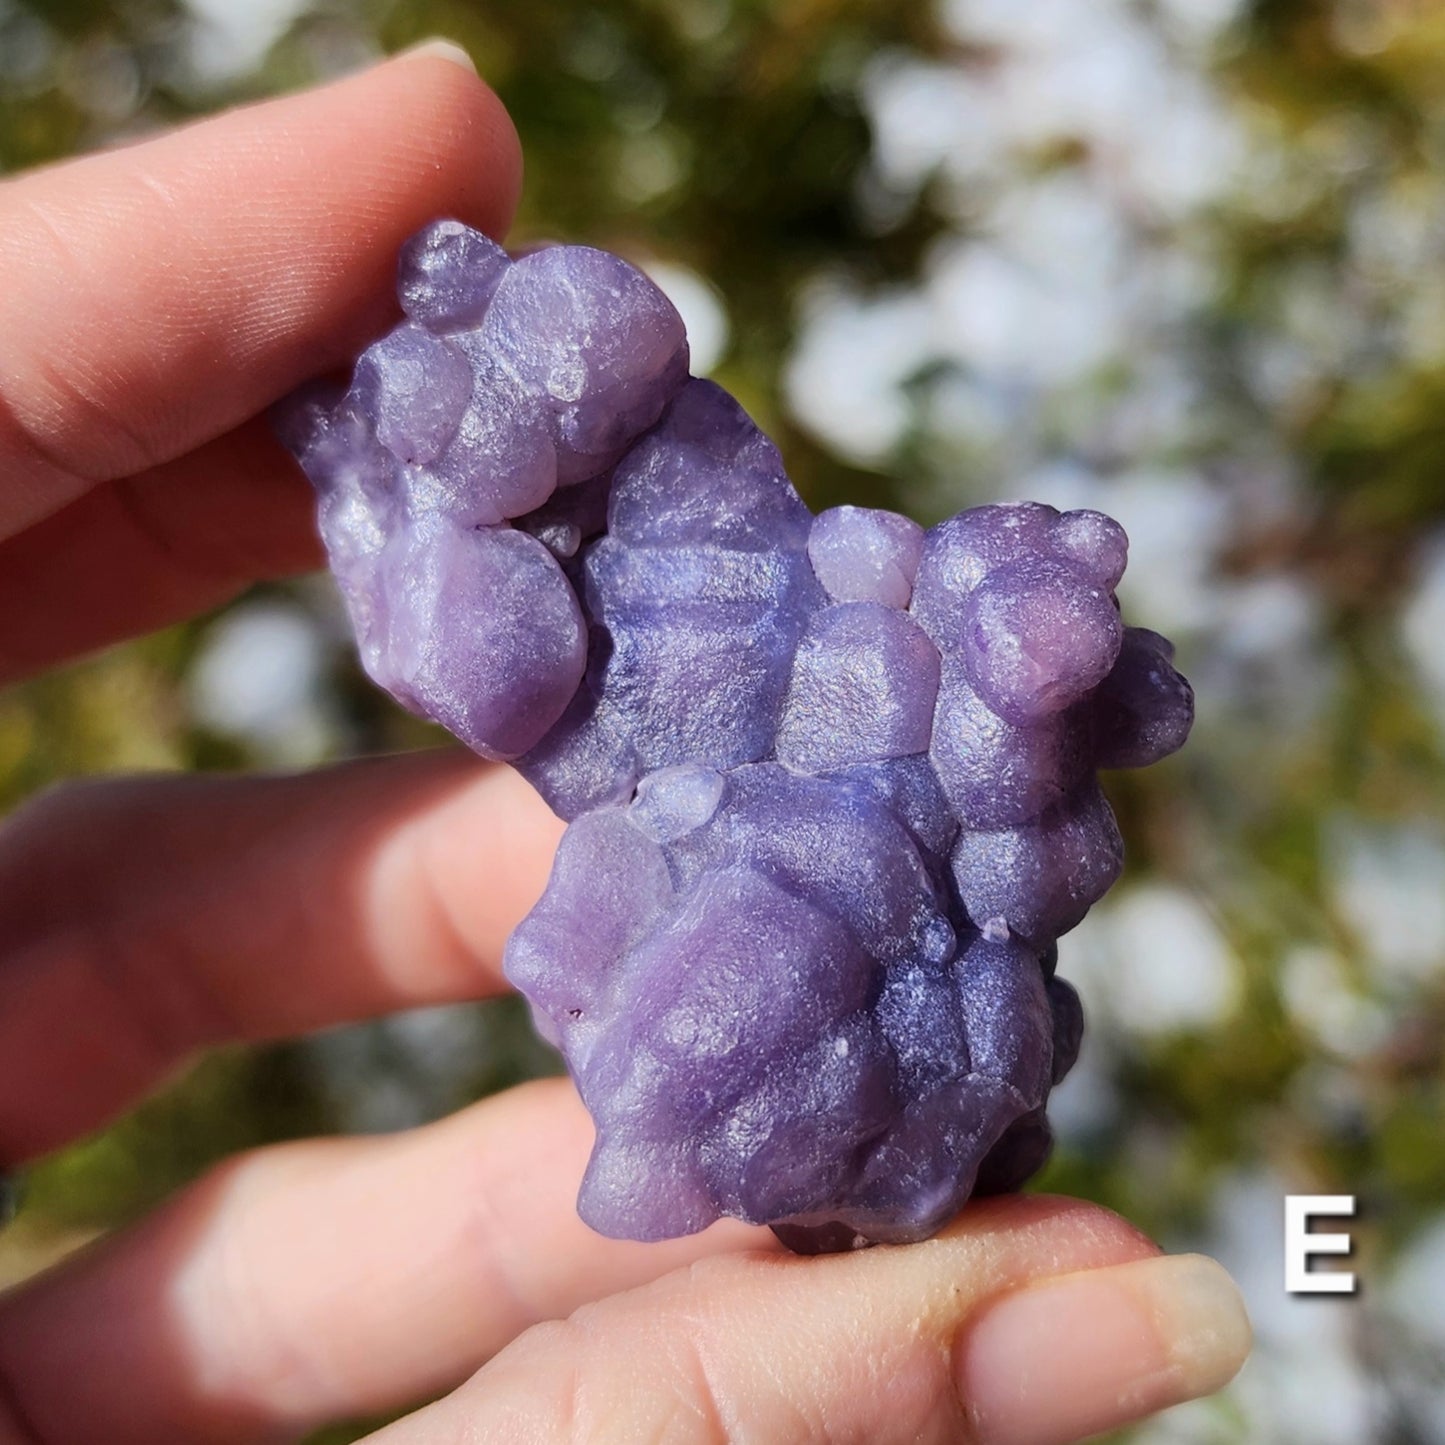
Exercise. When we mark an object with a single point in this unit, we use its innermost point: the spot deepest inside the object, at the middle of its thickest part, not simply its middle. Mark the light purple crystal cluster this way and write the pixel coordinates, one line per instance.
(830, 780)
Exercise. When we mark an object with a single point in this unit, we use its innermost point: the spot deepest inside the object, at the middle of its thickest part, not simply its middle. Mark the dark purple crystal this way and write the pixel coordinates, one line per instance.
(830, 780)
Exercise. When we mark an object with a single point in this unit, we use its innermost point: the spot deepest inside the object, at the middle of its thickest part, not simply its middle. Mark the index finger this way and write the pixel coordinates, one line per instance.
(159, 295)
(144, 918)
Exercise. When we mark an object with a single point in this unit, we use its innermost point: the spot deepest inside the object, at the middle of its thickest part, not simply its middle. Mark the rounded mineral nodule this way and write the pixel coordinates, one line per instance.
(830, 781)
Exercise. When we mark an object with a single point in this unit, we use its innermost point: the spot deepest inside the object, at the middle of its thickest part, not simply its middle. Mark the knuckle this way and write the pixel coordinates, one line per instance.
(664, 1369)
(702, 1412)
(656, 1389)
(262, 1349)
(674, 1382)
(487, 1227)
(183, 541)
(65, 411)
(42, 417)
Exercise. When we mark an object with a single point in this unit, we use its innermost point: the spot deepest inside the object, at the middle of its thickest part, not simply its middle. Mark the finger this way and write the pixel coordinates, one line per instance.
(158, 295)
(1031, 1321)
(142, 918)
(133, 555)
(315, 1281)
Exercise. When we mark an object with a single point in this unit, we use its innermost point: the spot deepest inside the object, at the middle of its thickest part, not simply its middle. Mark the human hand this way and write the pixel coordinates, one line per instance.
(157, 300)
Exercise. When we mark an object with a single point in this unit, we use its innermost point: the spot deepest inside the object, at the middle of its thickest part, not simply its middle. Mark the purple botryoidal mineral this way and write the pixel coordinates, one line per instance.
(830, 780)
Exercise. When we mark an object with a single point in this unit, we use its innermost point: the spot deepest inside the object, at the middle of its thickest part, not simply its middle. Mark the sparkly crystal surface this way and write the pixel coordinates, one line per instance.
(830, 781)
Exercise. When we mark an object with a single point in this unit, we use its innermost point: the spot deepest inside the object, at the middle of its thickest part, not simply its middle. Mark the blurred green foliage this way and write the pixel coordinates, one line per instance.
(729, 136)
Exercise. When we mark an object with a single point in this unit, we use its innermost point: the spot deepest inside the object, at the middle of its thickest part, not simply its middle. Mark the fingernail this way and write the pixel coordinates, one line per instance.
(442, 49)
(1066, 1358)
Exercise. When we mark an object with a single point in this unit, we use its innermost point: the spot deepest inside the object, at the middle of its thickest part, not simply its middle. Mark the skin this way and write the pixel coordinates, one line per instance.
(159, 298)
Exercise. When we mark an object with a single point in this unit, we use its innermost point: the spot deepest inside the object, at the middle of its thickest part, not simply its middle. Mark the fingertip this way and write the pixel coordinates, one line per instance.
(166, 292)
(449, 68)
(1120, 1343)
(426, 134)
(1199, 1315)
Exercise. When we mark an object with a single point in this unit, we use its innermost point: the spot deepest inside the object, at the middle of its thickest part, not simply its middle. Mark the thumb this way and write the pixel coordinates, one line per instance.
(1031, 1321)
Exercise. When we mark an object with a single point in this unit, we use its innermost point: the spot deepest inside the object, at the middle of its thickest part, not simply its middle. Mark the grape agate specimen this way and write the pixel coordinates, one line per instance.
(830, 780)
